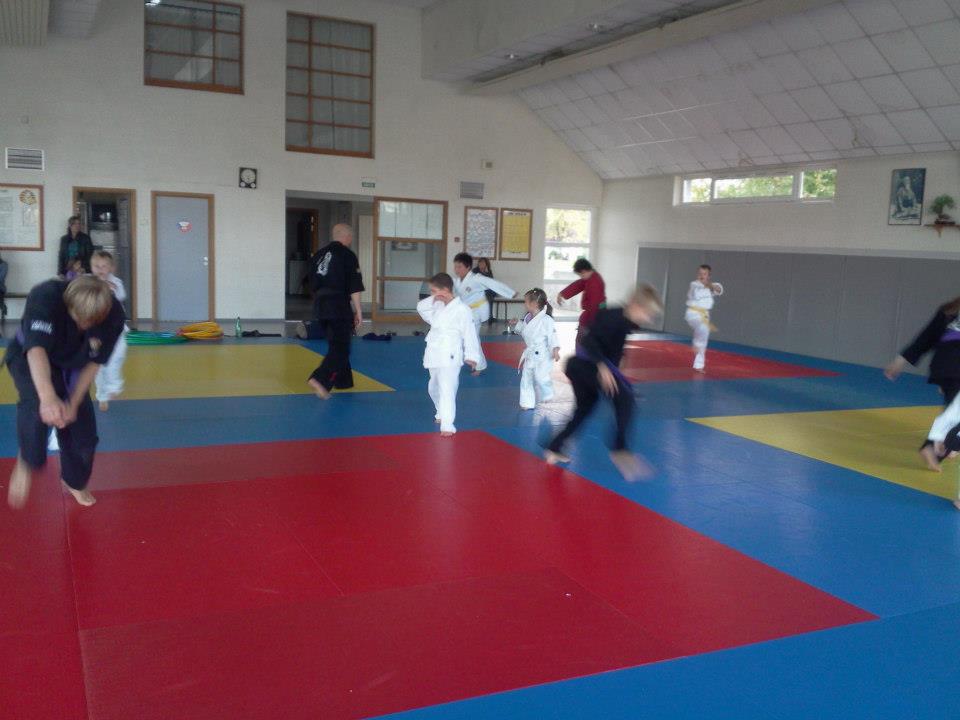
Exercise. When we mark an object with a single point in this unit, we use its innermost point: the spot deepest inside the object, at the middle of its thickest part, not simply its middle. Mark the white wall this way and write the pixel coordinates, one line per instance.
(642, 212)
(85, 103)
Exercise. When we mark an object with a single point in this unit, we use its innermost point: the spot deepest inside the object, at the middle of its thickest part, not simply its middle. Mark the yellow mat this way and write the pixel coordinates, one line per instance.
(216, 370)
(882, 442)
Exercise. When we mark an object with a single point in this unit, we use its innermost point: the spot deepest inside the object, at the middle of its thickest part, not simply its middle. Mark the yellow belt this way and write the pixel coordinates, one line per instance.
(705, 315)
(478, 304)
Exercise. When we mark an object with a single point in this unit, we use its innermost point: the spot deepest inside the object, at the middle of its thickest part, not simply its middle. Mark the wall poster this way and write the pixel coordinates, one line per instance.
(21, 217)
(516, 228)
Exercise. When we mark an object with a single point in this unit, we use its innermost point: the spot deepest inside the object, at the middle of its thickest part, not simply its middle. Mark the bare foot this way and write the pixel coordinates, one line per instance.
(19, 489)
(630, 466)
(555, 458)
(956, 504)
(446, 433)
(700, 370)
(319, 389)
(104, 406)
(84, 497)
(929, 456)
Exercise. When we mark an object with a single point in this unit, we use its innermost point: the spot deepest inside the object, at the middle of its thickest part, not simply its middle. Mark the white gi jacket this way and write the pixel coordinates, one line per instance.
(453, 336)
(471, 291)
(700, 297)
(540, 336)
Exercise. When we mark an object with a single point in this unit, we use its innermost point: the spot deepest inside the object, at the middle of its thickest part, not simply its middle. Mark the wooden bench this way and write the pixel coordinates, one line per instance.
(506, 303)
(5, 297)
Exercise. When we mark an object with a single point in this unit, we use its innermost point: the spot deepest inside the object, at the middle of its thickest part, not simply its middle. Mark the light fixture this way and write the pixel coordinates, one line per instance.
(595, 27)
(513, 56)
(152, 3)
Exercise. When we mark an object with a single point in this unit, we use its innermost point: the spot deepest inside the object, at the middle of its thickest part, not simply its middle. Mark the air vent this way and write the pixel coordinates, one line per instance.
(23, 159)
(471, 190)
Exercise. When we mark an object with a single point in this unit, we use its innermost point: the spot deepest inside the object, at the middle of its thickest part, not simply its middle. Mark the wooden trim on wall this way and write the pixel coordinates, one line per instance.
(211, 242)
(132, 280)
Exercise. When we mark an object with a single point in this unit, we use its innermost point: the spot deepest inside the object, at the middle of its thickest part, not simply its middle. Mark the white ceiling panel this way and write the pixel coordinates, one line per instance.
(751, 144)
(789, 72)
(729, 117)
(851, 98)
(784, 108)
(592, 110)
(809, 137)
(840, 132)
(876, 16)
(915, 126)
(779, 140)
(922, 12)
(947, 120)
(862, 58)
(877, 131)
(953, 75)
(942, 41)
(930, 87)
(903, 50)
(816, 103)
(798, 32)
(763, 39)
(703, 120)
(889, 93)
(733, 48)
(835, 23)
(932, 147)
(825, 66)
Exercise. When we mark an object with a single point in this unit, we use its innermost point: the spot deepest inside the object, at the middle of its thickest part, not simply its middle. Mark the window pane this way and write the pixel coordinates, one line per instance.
(321, 31)
(296, 108)
(819, 184)
(352, 140)
(321, 137)
(228, 46)
(322, 84)
(297, 54)
(347, 113)
(187, 42)
(184, 12)
(351, 88)
(228, 73)
(323, 111)
(297, 134)
(696, 190)
(348, 61)
(228, 18)
(298, 28)
(351, 35)
(297, 81)
(558, 262)
(754, 187)
(568, 226)
(180, 69)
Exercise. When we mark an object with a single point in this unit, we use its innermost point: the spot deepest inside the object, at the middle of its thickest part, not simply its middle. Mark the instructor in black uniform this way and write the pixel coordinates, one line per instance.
(336, 282)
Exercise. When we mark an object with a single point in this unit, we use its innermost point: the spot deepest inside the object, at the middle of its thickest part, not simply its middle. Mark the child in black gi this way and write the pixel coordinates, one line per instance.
(595, 369)
(67, 332)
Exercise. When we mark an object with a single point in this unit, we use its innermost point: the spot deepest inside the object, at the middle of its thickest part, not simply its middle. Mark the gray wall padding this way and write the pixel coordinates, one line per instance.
(854, 308)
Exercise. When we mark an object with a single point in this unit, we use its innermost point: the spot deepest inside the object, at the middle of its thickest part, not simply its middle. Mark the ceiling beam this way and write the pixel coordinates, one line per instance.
(681, 32)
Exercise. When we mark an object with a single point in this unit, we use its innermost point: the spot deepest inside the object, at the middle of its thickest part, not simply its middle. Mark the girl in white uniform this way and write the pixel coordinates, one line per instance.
(543, 349)
(699, 304)
(110, 376)
(451, 342)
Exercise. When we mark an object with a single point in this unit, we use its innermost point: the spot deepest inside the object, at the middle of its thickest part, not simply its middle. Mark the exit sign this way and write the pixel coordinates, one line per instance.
(368, 183)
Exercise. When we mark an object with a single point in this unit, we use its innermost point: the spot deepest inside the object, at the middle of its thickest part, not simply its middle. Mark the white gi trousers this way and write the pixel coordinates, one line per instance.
(701, 335)
(444, 382)
(110, 375)
(535, 380)
(477, 322)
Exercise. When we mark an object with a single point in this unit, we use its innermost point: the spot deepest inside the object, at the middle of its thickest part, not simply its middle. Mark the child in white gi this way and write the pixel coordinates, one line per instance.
(543, 349)
(110, 376)
(945, 436)
(699, 304)
(451, 342)
(471, 288)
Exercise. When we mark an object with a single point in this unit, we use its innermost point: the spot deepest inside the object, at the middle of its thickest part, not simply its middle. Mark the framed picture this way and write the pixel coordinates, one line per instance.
(480, 225)
(21, 217)
(516, 228)
(906, 196)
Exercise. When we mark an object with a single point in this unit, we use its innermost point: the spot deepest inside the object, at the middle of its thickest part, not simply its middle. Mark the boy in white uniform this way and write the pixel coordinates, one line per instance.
(699, 304)
(110, 376)
(945, 436)
(471, 288)
(451, 342)
(543, 348)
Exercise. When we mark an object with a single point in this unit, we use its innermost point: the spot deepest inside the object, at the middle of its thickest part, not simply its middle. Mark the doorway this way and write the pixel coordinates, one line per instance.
(109, 217)
(309, 222)
(183, 261)
(411, 247)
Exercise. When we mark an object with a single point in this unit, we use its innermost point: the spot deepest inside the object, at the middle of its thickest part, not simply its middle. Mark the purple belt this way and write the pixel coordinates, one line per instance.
(69, 376)
(581, 353)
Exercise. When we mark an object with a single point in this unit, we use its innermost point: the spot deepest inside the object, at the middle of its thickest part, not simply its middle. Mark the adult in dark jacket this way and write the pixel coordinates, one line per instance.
(75, 245)
(336, 282)
(942, 337)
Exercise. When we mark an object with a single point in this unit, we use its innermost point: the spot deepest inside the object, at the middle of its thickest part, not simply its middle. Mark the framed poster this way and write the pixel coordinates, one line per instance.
(21, 217)
(906, 196)
(516, 228)
(480, 225)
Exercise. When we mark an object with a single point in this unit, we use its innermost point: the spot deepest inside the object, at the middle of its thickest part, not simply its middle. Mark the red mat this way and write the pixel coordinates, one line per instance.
(664, 361)
(420, 576)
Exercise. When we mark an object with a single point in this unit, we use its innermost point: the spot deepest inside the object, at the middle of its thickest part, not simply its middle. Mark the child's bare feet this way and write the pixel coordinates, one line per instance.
(319, 389)
(956, 504)
(929, 456)
(84, 497)
(555, 458)
(19, 489)
(446, 433)
(104, 406)
(630, 466)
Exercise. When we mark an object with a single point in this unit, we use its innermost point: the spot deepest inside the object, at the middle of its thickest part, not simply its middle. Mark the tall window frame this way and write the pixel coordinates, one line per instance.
(559, 253)
(335, 102)
(222, 33)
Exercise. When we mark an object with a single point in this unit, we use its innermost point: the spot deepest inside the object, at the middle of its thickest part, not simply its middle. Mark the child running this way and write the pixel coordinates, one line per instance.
(543, 349)
(699, 304)
(110, 375)
(595, 369)
(451, 342)
(68, 330)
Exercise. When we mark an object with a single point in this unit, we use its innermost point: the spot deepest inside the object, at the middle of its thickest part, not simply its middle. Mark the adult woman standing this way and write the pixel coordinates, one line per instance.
(75, 245)
(483, 268)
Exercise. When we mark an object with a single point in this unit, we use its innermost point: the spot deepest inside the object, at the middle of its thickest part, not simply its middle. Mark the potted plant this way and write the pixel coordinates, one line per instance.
(940, 205)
